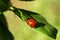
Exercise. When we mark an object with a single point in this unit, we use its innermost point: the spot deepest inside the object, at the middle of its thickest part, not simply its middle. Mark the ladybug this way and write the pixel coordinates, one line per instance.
(31, 22)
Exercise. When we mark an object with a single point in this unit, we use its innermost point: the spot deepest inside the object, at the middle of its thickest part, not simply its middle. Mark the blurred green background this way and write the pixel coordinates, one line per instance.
(49, 9)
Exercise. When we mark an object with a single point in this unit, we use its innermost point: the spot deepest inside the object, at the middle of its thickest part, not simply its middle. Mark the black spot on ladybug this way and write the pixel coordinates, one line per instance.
(40, 25)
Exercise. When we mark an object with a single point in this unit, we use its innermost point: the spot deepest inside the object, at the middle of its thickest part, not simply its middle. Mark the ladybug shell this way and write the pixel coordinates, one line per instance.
(31, 22)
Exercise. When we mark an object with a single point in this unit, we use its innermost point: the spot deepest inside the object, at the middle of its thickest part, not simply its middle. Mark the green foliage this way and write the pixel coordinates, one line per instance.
(4, 5)
(42, 24)
(21, 31)
(13, 26)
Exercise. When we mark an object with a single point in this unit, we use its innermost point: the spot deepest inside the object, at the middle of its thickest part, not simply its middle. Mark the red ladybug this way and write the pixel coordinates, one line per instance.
(31, 22)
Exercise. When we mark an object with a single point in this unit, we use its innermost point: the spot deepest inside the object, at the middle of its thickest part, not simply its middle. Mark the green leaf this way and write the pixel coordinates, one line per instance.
(21, 31)
(42, 25)
(4, 5)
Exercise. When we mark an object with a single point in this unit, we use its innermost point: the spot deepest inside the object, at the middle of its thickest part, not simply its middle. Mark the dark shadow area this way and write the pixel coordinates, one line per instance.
(54, 33)
(4, 5)
(26, 0)
(4, 28)
(40, 24)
